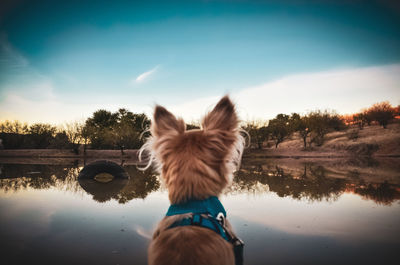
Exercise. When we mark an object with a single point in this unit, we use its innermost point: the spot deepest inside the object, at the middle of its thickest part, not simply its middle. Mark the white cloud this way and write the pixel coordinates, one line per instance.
(345, 90)
(142, 77)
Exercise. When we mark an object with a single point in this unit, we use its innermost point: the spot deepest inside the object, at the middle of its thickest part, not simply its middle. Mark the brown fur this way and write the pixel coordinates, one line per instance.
(194, 164)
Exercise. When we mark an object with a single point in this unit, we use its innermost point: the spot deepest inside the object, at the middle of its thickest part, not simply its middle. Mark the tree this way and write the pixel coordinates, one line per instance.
(73, 131)
(335, 122)
(367, 116)
(86, 132)
(382, 112)
(129, 128)
(60, 140)
(279, 128)
(13, 127)
(258, 132)
(320, 123)
(301, 125)
(42, 134)
(120, 129)
(397, 110)
(13, 134)
(101, 125)
(319, 127)
(360, 119)
(124, 129)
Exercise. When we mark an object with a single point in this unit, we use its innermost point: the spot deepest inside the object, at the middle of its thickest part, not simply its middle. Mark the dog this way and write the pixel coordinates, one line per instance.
(196, 166)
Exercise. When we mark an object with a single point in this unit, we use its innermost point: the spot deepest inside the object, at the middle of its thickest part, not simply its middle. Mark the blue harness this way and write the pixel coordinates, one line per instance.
(208, 213)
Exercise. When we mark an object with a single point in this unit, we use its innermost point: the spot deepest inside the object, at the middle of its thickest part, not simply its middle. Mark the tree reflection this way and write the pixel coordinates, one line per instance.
(312, 182)
(139, 185)
(383, 193)
(15, 178)
(102, 192)
(303, 181)
(20, 177)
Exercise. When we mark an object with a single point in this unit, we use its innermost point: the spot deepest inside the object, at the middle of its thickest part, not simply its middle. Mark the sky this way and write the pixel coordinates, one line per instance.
(62, 60)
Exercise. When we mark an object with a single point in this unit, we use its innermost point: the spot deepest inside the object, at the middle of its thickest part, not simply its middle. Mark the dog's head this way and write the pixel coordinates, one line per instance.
(199, 163)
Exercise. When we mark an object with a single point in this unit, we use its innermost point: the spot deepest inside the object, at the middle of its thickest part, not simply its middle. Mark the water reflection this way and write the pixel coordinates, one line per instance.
(311, 210)
(300, 180)
(17, 177)
(103, 192)
(313, 182)
(312, 185)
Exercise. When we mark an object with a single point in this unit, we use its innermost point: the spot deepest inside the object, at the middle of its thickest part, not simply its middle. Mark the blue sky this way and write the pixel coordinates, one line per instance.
(61, 60)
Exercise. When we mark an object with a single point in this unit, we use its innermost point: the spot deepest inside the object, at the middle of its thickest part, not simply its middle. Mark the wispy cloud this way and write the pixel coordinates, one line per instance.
(344, 90)
(10, 58)
(146, 75)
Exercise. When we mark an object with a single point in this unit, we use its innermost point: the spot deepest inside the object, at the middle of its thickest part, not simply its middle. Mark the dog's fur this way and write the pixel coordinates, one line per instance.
(194, 164)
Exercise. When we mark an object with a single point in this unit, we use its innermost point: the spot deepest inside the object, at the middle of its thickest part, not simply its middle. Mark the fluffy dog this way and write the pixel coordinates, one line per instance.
(196, 165)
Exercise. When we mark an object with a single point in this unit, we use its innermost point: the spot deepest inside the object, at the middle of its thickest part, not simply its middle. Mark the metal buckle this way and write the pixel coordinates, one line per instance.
(221, 218)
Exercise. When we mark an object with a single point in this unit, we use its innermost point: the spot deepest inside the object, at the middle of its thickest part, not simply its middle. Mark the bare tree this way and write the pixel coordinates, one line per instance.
(73, 131)
(14, 127)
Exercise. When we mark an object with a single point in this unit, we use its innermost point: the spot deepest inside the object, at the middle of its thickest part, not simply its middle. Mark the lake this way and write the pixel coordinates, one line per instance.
(287, 211)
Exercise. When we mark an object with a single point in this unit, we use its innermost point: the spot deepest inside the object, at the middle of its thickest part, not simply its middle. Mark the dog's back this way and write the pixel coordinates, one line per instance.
(195, 165)
(191, 246)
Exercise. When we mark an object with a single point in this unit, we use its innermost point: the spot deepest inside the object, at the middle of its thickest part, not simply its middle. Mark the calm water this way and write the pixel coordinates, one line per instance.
(286, 211)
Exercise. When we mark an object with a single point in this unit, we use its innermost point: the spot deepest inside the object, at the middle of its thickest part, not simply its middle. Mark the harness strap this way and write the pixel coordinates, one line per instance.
(208, 213)
(210, 206)
(206, 222)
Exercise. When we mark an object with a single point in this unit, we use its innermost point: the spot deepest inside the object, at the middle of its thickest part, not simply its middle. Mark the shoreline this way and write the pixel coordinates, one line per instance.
(131, 154)
(296, 154)
(67, 157)
(60, 153)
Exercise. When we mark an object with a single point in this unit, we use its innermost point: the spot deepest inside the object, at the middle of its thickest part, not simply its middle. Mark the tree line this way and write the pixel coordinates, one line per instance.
(313, 126)
(121, 130)
(381, 113)
(124, 129)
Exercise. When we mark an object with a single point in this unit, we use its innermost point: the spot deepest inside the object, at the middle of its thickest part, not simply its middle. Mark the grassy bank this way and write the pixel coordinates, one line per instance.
(371, 141)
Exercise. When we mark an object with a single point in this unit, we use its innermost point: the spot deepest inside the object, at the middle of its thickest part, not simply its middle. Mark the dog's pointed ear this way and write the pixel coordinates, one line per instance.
(222, 117)
(165, 122)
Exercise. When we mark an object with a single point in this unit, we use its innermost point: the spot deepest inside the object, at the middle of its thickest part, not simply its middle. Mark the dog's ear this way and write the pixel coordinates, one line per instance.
(222, 117)
(165, 122)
